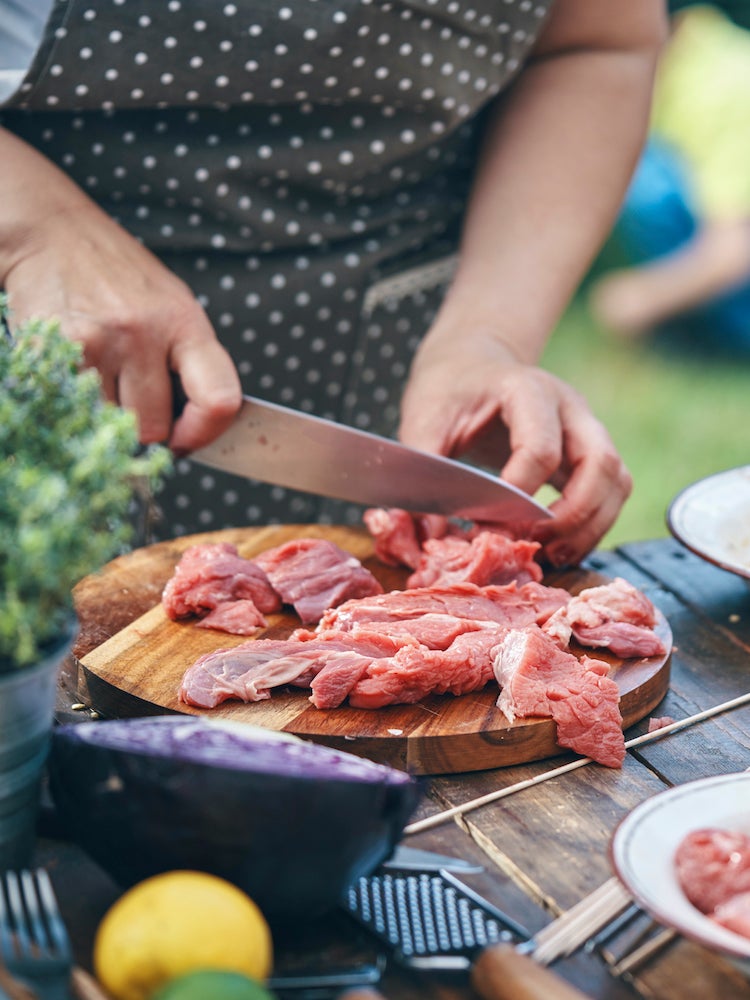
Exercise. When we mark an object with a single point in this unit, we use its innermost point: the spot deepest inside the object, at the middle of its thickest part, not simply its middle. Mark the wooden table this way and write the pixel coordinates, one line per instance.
(545, 847)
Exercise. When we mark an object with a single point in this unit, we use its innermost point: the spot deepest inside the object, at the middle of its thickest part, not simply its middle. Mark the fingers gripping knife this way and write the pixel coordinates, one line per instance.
(434, 921)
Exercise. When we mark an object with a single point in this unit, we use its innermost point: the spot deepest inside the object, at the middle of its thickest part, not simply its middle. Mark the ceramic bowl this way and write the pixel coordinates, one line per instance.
(644, 845)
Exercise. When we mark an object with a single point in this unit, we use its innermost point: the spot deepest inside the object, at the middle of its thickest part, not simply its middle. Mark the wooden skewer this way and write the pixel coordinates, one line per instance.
(85, 987)
(673, 727)
(639, 955)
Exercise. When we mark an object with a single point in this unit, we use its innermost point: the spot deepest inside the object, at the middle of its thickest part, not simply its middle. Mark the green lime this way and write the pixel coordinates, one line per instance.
(213, 984)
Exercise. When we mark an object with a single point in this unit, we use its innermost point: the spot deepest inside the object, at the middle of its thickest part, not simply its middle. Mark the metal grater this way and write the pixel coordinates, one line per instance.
(432, 920)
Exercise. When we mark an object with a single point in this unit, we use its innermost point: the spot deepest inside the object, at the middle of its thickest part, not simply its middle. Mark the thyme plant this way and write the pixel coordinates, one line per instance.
(69, 465)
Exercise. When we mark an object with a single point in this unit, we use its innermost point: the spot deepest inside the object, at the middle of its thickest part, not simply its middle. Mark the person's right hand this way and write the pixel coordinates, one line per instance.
(467, 395)
(61, 256)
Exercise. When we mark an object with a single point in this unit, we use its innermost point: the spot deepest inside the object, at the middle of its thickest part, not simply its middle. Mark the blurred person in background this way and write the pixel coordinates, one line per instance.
(685, 222)
(271, 196)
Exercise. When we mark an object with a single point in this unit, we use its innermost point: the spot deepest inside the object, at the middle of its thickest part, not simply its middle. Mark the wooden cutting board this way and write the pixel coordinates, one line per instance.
(131, 659)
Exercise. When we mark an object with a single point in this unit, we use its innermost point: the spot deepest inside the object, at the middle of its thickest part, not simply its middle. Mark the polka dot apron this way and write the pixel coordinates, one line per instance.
(303, 166)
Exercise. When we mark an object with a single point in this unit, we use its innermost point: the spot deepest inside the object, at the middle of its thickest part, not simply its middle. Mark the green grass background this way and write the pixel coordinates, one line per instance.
(675, 418)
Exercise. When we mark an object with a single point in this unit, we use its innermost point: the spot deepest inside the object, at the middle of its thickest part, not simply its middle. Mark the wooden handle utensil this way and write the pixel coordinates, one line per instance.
(503, 973)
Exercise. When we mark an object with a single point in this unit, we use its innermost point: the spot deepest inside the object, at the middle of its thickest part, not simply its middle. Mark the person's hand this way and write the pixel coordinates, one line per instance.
(474, 399)
(139, 325)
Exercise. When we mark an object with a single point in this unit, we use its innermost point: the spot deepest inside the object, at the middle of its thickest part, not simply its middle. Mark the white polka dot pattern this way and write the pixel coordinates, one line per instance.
(280, 157)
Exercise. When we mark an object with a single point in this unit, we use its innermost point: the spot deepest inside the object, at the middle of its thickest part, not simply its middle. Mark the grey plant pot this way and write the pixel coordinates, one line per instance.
(27, 705)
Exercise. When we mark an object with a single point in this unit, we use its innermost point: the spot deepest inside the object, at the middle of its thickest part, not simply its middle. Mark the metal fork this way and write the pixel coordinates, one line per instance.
(34, 943)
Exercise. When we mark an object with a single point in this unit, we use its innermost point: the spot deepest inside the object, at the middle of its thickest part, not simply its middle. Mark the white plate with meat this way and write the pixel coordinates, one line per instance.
(692, 842)
(711, 517)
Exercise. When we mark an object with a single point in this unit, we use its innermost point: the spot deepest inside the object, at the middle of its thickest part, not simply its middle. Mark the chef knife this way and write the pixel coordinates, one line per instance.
(275, 444)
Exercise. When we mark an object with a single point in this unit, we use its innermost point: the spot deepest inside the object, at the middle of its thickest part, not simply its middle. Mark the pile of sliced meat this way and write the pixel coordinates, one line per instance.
(713, 869)
(213, 583)
(473, 613)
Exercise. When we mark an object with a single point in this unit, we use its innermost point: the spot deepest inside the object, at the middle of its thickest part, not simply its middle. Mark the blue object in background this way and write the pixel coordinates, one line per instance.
(658, 216)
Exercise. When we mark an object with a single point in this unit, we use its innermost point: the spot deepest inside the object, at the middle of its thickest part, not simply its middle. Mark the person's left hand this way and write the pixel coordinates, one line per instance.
(473, 398)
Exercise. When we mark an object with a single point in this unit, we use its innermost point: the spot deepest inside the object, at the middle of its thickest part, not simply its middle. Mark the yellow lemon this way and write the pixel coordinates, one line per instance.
(175, 923)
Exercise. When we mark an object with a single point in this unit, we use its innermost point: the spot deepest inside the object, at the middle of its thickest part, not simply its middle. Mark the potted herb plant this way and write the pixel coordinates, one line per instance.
(69, 466)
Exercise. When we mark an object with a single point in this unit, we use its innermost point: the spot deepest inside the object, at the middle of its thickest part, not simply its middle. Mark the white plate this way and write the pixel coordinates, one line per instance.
(644, 846)
(712, 519)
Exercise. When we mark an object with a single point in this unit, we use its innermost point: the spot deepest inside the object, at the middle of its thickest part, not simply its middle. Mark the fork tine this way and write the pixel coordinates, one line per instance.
(55, 923)
(33, 942)
(39, 936)
(7, 941)
(16, 940)
(30, 919)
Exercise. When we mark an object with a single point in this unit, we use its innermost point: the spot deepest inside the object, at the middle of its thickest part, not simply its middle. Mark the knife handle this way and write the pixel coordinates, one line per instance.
(502, 973)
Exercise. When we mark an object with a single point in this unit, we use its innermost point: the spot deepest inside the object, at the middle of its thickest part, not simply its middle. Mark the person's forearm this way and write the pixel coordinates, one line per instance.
(556, 162)
(33, 192)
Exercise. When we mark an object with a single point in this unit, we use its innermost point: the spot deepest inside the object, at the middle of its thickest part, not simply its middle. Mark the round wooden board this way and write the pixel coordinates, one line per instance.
(131, 660)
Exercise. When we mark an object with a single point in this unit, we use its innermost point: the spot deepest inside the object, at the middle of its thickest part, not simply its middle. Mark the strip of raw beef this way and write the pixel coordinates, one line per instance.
(394, 533)
(237, 617)
(415, 672)
(508, 605)
(248, 671)
(537, 678)
(211, 574)
(488, 558)
(713, 865)
(313, 574)
(616, 616)
(657, 722)
(442, 552)
(433, 630)
(334, 681)
(734, 914)
(399, 535)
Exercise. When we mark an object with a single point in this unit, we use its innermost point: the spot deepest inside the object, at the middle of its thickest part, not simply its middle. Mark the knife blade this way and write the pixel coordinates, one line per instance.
(406, 858)
(285, 447)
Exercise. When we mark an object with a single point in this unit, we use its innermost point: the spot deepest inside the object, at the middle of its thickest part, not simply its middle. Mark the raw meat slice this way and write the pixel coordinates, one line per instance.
(237, 617)
(623, 639)
(508, 605)
(734, 914)
(394, 533)
(616, 616)
(436, 631)
(211, 574)
(546, 601)
(228, 673)
(712, 865)
(313, 574)
(415, 671)
(399, 535)
(537, 678)
(248, 671)
(488, 558)
(332, 684)
(657, 722)
(590, 722)
(615, 601)
(557, 627)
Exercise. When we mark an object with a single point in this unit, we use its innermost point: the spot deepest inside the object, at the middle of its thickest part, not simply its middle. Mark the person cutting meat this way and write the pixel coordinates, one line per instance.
(375, 211)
